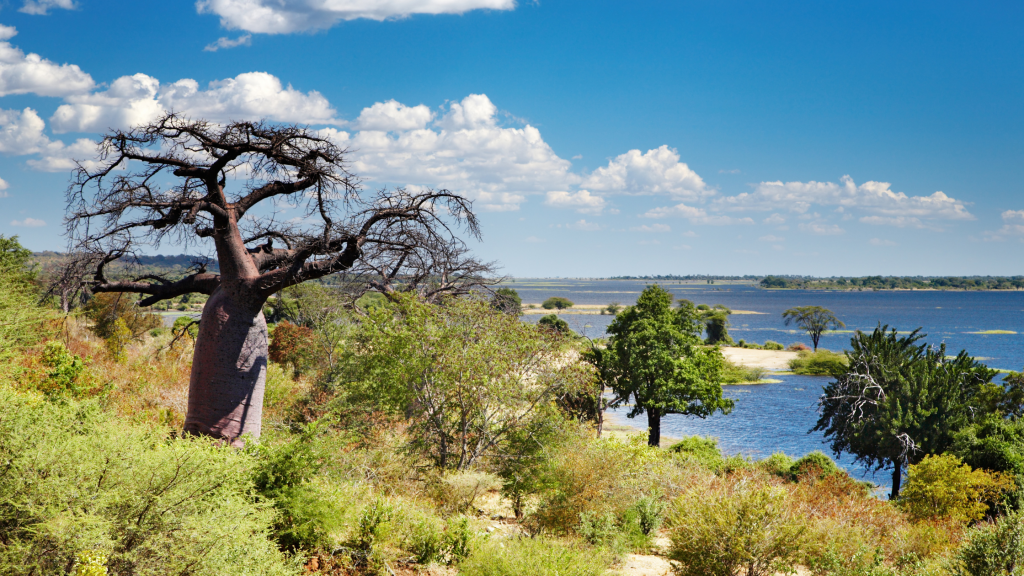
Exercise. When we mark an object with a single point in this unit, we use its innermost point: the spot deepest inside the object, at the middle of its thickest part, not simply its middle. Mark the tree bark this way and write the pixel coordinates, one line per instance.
(897, 476)
(229, 370)
(229, 367)
(654, 428)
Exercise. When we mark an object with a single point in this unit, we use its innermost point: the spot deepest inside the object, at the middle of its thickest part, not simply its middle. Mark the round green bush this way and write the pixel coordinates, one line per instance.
(816, 462)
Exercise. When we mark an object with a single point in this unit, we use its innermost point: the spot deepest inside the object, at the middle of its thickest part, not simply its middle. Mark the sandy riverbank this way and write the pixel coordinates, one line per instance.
(769, 359)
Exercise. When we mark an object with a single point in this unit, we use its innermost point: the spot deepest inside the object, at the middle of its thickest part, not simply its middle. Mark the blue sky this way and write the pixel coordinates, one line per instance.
(596, 138)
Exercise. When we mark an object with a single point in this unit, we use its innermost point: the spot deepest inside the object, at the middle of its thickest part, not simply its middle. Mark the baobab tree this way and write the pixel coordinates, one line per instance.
(222, 188)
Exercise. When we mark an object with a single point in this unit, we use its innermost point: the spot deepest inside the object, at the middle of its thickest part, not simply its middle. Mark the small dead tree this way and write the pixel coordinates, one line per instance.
(170, 180)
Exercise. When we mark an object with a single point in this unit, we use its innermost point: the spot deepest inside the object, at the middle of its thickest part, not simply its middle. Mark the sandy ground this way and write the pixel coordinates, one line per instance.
(770, 359)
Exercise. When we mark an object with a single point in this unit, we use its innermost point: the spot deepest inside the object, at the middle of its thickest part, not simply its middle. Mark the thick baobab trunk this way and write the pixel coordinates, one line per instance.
(229, 368)
(654, 428)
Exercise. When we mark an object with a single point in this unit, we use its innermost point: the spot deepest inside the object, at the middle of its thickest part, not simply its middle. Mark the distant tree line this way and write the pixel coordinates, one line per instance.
(896, 283)
(700, 277)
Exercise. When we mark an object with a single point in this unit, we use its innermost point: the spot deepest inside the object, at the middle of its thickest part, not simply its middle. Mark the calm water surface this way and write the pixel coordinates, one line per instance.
(776, 417)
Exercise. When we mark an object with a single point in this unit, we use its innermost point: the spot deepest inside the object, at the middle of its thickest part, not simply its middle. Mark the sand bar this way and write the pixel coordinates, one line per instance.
(770, 359)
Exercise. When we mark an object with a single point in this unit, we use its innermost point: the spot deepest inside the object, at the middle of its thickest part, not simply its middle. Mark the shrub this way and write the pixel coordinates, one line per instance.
(77, 479)
(106, 308)
(556, 303)
(770, 345)
(942, 487)
(291, 344)
(798, 347)
(507, 300)
(778, 464)
(63, 371)
(733, 373)
(820, 363)
(536, 557)
(554, 323)
(612, 308)
(993, 549)
(815, 464)
(746, 529)
(702, 449)
(455, 493)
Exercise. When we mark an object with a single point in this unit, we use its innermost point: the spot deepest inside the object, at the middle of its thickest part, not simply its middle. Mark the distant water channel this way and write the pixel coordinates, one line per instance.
(776, 417)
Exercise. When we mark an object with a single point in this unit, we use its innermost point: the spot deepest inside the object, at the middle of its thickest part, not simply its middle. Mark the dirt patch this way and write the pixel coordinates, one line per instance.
(770, 359)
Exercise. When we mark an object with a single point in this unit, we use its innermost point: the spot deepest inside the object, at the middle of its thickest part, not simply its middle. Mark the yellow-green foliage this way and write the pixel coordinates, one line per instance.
(586, 476)
(534, 557)
(943, 487)
(91, 563)
(76, 479)
(748, 528)
(820, 363)
(118, 338)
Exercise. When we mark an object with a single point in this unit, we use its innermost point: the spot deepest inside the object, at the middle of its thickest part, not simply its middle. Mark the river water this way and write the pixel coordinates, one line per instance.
(777, 417)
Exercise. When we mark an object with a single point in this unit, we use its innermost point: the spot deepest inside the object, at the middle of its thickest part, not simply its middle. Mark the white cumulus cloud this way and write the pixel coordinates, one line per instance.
(139, 98)
(22, 73)
(582, 201)
(1013, 225)
(466, 150)
(28, 223)
(287, 16)
(822, 229)
(43, 7)
(225, 43)
(652, 228)
(584, 225)
(657, 171)
(392, 116)
(875, 198)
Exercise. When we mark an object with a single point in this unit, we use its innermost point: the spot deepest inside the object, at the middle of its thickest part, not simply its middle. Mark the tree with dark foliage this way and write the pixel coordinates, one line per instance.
(171, 180)
(900, 400)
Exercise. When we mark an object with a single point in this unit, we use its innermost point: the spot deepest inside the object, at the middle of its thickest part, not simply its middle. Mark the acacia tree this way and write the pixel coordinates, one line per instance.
(899, 400)
(169, 181)
(656, 356)
(814, 319)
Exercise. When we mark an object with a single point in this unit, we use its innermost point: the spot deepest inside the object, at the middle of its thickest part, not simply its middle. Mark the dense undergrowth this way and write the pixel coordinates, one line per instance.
(345, 480)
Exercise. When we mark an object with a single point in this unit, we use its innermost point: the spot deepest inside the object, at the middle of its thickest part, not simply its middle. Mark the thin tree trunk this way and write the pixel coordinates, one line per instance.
(229, 369)
(897, 476)
(600, 410)
(654, 428)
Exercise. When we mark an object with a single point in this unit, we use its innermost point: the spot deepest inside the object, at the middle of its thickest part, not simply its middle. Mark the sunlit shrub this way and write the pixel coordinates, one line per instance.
(816, 464)
(742, 528)
(536, 557)
(106, 308)
(77, 479)
(820, 363)
(702, 449)
(291, 344)
(993, 549)
(942, 487)
(778, 464)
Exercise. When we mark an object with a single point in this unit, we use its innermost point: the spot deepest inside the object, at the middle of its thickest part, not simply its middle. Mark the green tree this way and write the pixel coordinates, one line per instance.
(655, 356)
(21, 317)
(470, 379)
(716, 323)
(899, 400)
(507, 300)
(814, 319)
(554, 323)
(556, 303)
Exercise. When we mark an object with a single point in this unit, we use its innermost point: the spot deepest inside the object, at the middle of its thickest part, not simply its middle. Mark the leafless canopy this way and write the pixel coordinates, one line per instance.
(172, 180)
